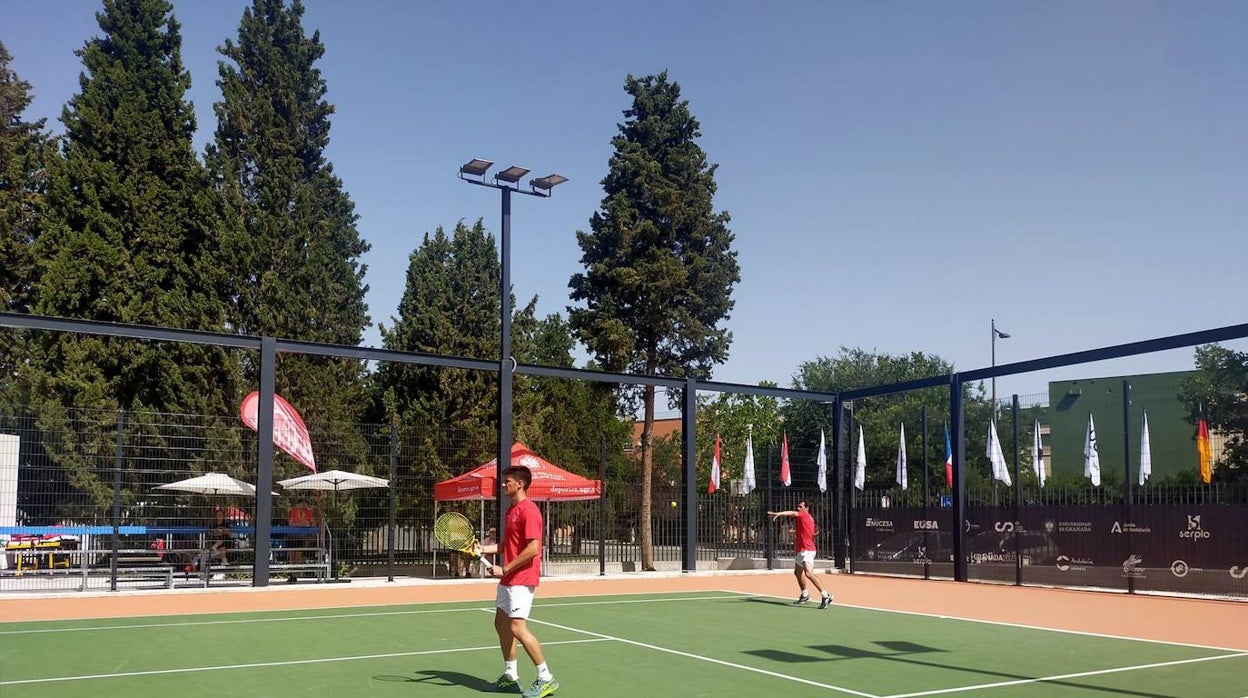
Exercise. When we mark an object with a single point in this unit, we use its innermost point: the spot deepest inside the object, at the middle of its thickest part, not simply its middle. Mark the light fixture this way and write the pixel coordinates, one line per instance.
(511, 175)
(548, 182)
(476, 167)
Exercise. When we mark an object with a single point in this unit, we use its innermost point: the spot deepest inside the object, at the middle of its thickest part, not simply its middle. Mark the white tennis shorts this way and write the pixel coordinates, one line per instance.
(803, 558)
(514, 601)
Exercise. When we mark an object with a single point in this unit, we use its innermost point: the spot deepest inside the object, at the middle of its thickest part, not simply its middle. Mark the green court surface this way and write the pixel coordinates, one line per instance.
(703, 644)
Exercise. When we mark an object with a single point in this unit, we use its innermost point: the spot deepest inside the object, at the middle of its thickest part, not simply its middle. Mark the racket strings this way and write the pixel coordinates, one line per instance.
(453, 530)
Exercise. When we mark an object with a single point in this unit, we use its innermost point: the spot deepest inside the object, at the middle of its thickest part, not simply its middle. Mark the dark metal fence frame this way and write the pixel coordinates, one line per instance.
(840, 494)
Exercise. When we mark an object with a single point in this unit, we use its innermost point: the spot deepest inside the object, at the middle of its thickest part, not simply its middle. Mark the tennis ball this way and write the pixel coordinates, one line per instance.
(673, 505)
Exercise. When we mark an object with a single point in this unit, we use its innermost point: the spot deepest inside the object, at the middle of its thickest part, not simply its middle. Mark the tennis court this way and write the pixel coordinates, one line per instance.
(685, 642)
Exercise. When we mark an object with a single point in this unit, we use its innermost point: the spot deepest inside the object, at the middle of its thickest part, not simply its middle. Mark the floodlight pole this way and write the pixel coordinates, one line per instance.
(506, 364)
(995, 334)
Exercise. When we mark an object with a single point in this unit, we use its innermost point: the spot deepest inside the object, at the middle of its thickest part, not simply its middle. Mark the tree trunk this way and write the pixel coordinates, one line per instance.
(647, 477)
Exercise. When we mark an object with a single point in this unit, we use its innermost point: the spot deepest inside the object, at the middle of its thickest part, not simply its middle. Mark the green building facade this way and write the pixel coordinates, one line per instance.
(1172, 439)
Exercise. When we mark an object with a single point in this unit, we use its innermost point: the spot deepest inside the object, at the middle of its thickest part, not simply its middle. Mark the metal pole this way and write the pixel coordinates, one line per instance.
(1126, 467)
(959, 480)
(849, 493)
(264, 462)
(688, 426)
(117, 464)
(768, 544)
(994, 365)
(394, 491)
(1018, 497)
(927, 565)
(504, 361)
(838, 494)
(602, 507)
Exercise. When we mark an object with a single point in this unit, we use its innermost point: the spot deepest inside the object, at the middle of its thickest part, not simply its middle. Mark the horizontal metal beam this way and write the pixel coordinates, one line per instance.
(117, 329)
(1118, 351)
(766, 391)
(290, 346)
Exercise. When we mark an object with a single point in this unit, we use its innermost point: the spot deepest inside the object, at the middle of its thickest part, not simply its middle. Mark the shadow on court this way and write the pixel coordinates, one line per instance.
(910, 653)
(436, 677)
(770, 601)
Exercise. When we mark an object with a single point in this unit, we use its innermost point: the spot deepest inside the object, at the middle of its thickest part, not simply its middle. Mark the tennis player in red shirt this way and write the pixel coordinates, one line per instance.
(804, 548)
(518, 579)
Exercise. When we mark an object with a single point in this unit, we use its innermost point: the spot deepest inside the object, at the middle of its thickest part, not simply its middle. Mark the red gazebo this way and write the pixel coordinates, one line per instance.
(550, 482)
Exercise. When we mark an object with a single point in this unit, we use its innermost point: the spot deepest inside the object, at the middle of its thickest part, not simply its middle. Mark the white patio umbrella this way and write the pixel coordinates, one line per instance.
(211, 483)
(332, 481)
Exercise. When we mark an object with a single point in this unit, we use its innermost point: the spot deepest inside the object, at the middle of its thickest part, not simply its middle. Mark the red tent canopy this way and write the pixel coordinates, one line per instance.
(550, 482)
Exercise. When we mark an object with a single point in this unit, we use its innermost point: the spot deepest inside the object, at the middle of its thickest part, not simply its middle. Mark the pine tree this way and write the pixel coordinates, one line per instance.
(290, 241)
(659, 268)
(128, 228)
(26, 152)
(449, 307)
(126, 238)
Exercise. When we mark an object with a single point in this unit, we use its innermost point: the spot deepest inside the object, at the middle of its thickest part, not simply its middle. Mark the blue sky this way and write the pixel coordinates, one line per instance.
(898, 173)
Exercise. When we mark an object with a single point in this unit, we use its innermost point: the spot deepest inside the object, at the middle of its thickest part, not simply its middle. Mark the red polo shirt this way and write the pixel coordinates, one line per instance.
(524, 523)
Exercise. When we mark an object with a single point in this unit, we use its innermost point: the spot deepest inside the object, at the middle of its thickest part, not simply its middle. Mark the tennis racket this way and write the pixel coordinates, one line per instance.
(453, 530)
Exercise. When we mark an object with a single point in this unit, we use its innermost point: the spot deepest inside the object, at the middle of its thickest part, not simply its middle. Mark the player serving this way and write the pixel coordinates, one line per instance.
(804, 546)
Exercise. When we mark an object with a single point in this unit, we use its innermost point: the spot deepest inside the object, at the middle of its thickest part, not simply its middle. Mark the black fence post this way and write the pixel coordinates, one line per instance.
(118, 462)
(768, 543)
(838, 492)
(959, 478)
(394, 493)
(264, 461)
(927, 564)
(1126, 470)
(688, 424)
(1018, 500)
(602, 506)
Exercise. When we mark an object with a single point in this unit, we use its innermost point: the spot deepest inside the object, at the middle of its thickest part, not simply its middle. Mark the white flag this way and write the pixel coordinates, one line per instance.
(1037, 453)
(1091, 459)
(822, 462)
(1146, 453)
(901, 459)
(860, 468)
(749, 465)
(1000, 471)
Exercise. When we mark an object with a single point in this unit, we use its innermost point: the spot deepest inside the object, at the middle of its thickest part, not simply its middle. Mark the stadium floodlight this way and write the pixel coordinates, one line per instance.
(475, 167)
(511, 175)
(547, 183)
(506, 182)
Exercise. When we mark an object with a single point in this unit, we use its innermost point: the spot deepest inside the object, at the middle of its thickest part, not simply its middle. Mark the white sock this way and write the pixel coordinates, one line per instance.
(543, 672)
(825, 594)
(511, 669)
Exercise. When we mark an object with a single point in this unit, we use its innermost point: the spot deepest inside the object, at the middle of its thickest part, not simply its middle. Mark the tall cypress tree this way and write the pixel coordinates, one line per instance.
(26, 151)
(290, 243)
(659, 266)
(128, 228)
(449, 307)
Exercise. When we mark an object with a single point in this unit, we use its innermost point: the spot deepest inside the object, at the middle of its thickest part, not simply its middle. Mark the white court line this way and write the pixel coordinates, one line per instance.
(331, 616)
(1060, 677)
(702, 658)
(1012, 625)
(257, 665)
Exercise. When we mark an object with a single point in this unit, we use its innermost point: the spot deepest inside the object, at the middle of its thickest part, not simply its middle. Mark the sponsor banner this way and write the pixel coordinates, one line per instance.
(1194, 548)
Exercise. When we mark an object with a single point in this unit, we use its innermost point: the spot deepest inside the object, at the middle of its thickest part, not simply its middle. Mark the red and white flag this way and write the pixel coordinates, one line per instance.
(786, 476)
(714, 485)
(289, 432)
